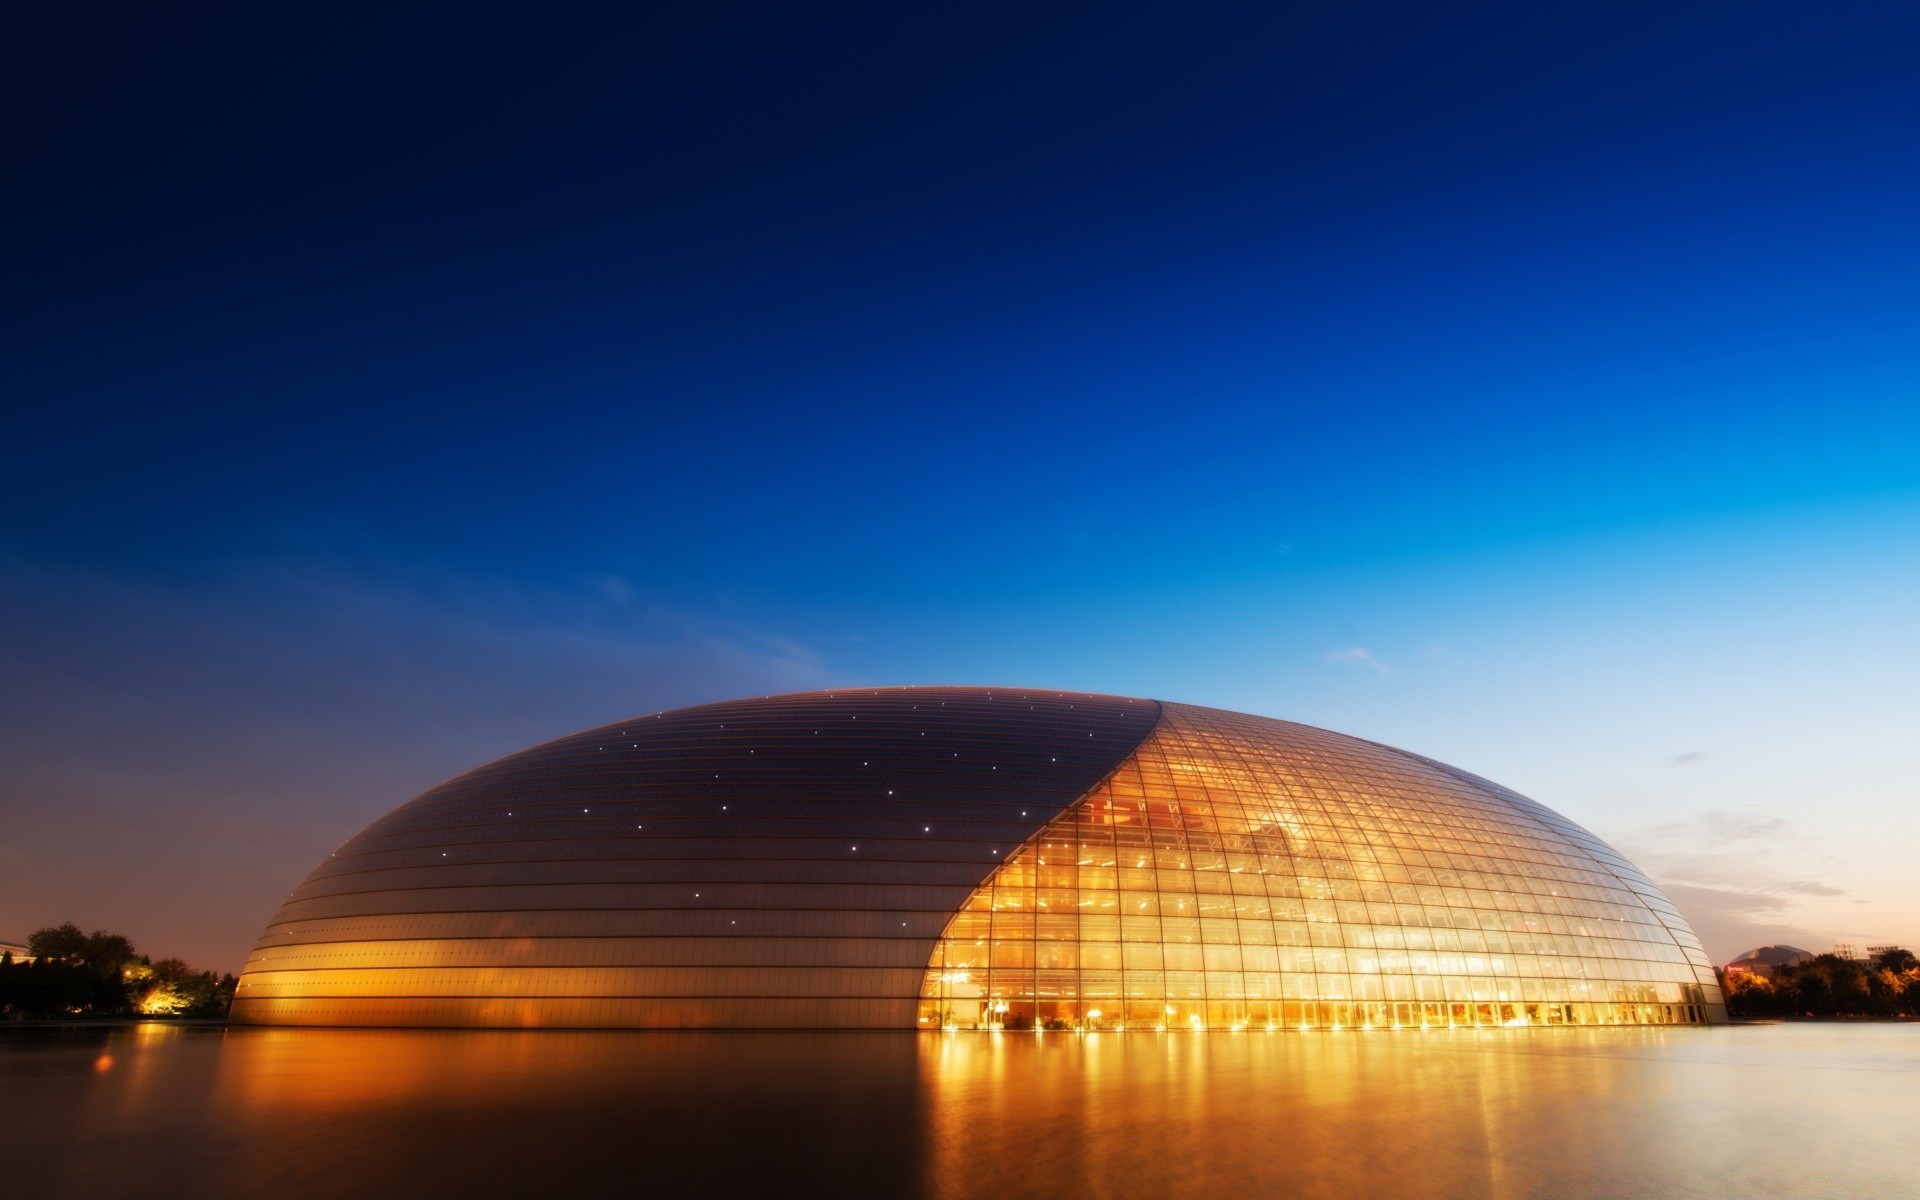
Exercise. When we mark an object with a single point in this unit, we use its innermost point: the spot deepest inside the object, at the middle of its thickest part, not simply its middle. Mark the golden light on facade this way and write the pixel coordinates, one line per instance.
(1025, 860)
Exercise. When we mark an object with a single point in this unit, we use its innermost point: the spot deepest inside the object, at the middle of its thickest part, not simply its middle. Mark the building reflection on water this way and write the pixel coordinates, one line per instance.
(290, 1113)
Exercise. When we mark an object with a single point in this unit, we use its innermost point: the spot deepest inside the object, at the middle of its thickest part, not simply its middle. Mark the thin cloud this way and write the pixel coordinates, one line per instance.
(1807, 887)
(1356, 656)
(1726, 902)
(1732, 827)
(255, 716)
(615, 589)
(1718, 828)
(1689, 758)
(1735, 877)
(1731, 921)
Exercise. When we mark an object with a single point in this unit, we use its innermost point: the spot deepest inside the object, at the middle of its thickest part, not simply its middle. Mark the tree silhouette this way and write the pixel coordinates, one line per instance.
(58, 943)
(1830, 986)
(101, 974)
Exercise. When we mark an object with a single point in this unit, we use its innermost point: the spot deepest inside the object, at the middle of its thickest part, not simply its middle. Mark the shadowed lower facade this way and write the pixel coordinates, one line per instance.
(924, 858)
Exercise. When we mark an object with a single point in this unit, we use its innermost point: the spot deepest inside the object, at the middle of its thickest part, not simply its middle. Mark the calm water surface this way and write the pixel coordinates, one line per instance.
(1777, 1110)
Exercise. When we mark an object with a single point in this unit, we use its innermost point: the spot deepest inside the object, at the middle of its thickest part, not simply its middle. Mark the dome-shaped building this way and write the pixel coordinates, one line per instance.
(942, 857)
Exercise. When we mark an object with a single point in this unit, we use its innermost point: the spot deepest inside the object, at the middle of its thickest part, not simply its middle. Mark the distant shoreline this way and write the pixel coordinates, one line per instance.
(7, 1023)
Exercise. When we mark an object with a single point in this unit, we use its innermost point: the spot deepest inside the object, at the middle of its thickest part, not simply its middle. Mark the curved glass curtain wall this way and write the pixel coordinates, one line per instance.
(781, 862)
(1239, 872)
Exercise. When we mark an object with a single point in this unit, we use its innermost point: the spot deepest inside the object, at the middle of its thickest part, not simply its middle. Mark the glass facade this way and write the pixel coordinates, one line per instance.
(1237, 872)
(971, 858)
(783, 862)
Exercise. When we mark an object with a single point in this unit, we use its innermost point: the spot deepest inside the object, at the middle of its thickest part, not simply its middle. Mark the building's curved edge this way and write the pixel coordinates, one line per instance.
(829, 1014)
(1556, 826)
(1606, 858)
(504, 1015)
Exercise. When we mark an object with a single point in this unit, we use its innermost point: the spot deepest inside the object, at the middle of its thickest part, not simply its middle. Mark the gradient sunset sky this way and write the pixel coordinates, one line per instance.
(1534, 387)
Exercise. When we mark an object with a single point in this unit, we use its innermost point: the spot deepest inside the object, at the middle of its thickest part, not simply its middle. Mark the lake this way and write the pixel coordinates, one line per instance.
(1814, 1110)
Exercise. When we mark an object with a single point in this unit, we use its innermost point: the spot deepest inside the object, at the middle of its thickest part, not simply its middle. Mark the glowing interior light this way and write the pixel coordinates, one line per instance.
(1317, 826)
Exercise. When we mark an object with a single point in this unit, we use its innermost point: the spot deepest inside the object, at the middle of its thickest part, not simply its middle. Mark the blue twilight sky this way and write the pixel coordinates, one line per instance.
(1536, 387)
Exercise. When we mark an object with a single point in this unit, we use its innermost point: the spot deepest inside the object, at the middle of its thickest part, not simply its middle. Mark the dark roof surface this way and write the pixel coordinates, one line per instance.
(1775, 956)
(980, 765)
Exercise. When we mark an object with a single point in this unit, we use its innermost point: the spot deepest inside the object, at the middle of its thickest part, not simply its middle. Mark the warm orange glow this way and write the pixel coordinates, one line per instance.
(1328, 885)
(1204, 870)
